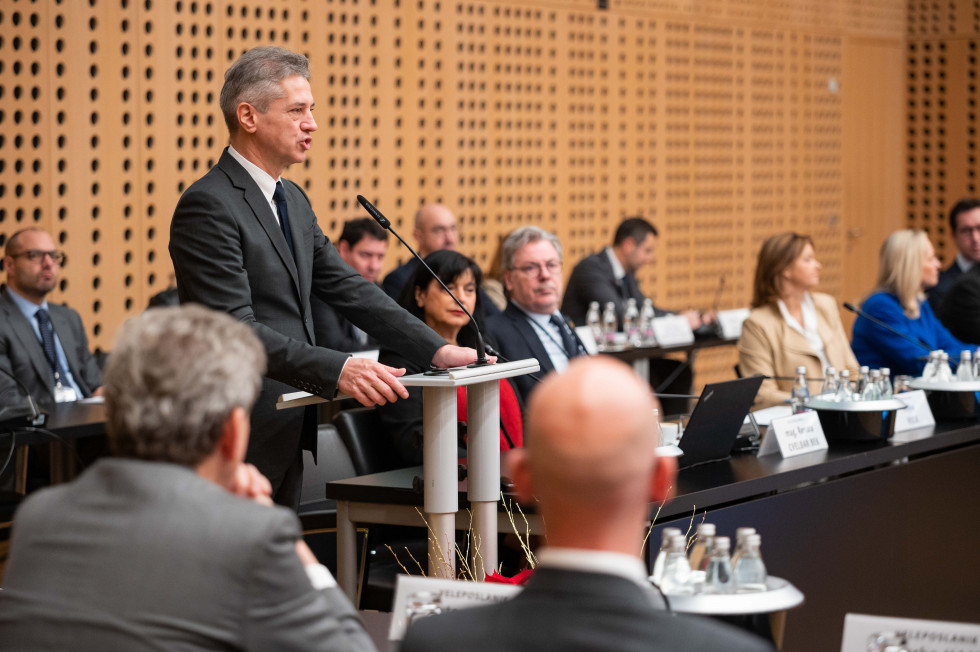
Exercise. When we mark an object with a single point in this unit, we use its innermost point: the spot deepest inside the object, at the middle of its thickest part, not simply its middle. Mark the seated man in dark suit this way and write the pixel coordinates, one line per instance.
(173, 543)
(435, 230)
(610, 275)
(531, 325)
(960, 307)
(43, 345)
(590, 464)
(964, 224)
(362, 245)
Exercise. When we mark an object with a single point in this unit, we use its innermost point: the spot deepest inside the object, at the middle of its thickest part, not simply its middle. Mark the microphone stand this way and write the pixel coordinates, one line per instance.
(875, 320)
(481, 348)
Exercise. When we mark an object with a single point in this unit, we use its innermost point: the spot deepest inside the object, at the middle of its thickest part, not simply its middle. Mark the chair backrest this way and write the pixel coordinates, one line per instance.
(333, 463)
(360, 430)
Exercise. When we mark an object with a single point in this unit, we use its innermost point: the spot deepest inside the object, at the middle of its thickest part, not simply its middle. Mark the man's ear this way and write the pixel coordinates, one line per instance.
(234, 435)
(247, 117)
(662, 480)
(521, 475)
(343, 248)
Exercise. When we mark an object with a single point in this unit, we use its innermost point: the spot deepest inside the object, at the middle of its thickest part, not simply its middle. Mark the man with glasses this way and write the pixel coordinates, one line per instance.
(43, 345)
(531, 326)
(964, 224)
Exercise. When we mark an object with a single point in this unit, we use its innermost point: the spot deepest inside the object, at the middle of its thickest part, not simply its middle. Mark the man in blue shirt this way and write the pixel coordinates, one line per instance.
(42, 345)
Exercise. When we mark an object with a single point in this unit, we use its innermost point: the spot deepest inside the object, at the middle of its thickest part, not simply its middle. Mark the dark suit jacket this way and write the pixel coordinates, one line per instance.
(229, 253)
(139, 555)
(593, 280)
(21, 353)
(959, 310)
(517, 339)
(568, 611)
(396, 280)
(334, 331)
(946, 279)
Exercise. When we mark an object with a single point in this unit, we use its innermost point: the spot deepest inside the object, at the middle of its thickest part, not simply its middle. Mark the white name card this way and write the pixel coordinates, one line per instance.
(588, 339)
(452, 594)
(920, 635)
(730, 322)
(672, 330)
(917, 413)
(794, 435)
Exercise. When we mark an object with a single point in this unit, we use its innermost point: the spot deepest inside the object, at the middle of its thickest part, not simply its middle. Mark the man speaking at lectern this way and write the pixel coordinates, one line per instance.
(245, 241)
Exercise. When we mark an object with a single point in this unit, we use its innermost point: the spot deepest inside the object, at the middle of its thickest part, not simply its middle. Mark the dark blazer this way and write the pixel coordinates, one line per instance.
(229, 253)
(21, 353)
(959, 310)
(569, 611)
(517, 339)
(396, 280)
(946, 279)
(334, 331)
(138, 555)
(593, 280)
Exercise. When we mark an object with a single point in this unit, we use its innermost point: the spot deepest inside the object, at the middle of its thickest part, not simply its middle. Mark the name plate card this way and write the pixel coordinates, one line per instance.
(730, 322)
(588, 339)
(794, 435)
(917, 413)
(672, 330)
(450, 594)
(920, 635)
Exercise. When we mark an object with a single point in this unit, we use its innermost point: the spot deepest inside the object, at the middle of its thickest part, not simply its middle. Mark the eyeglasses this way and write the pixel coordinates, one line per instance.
(535, 269)
(34, 255)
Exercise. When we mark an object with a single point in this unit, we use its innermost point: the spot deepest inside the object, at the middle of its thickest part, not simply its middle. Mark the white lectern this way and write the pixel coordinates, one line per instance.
(439, 470)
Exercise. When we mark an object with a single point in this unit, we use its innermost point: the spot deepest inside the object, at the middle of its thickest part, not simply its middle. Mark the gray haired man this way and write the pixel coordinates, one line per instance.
(174, 542)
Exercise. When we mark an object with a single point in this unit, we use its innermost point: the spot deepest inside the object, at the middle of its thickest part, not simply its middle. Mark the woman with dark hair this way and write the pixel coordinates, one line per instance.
(425, 298)
(790, 325)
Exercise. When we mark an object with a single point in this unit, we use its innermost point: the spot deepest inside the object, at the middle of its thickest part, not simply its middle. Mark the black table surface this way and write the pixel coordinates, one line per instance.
(629, 354)
(69, 421)
(712, 485)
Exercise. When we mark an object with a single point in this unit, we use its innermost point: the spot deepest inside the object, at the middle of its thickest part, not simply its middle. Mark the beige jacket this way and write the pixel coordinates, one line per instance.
(769, 346)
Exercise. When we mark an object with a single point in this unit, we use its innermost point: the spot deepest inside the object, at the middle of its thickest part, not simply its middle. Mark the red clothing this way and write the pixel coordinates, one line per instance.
(510, 414)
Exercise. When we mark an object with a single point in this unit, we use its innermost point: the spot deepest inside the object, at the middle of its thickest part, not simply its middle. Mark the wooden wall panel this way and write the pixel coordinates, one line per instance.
(721, 121)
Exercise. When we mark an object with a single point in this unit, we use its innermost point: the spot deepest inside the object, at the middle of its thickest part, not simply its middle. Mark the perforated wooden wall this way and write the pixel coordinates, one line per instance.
(721, 121)
(943, 51)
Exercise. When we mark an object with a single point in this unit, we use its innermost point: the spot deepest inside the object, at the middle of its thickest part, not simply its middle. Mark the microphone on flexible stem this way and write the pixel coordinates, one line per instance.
(481, 349)
(875, 320)
(17, 416)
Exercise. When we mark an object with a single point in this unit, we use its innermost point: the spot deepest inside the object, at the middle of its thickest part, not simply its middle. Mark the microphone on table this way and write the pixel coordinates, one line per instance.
(481, 349)
(17, 416)
(877, 321)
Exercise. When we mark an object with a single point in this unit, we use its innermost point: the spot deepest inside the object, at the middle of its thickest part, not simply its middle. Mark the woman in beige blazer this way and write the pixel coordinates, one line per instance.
(790, 325)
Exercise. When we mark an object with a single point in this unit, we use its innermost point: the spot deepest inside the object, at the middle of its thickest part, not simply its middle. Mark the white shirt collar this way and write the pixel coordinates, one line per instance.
(27, 307)
(262, 179)
(595, 561)
(963, 263)
(809, 315)
(617, 267)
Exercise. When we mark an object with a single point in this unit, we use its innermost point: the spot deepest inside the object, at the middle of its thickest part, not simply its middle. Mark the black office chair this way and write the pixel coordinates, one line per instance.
(361, 430)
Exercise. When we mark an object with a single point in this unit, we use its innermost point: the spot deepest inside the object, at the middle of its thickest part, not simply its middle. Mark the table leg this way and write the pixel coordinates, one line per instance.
(483, 477)
(440, 477)
(346, 551)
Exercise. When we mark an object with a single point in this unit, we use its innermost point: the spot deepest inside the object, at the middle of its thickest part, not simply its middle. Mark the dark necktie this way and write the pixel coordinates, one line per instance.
(279, 196)
(624, 287)
(47, 343)
(567, 339)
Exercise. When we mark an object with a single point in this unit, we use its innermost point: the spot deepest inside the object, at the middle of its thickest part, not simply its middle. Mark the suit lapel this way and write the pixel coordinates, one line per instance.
(530, 336)
(25, 333)
(261, 210)
(304, 255)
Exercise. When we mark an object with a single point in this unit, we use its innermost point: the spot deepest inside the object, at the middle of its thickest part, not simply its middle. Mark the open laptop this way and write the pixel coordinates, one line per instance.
(717, 419)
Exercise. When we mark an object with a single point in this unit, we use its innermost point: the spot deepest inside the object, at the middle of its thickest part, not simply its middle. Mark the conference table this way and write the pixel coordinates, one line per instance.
(885, 528)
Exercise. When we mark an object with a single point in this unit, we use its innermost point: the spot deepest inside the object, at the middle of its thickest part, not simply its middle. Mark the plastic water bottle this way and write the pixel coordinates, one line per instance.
(702, 546)
(740, 534)
(800, 391)
(677, 570)
(631, 322)
(830, 381)
(647, 315)
(932, 366)
(594, 321)
(886, 383)
(872, 391)
(666, 535)
(844, 393)
(750, 570)
(718, 573)
(944, 374)
(976, 364)
(863, 379)
(964, 372)
(609, 323)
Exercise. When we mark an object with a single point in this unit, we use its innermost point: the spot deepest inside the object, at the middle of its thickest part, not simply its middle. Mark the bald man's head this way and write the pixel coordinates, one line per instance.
(435, 229)
(592, 436)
